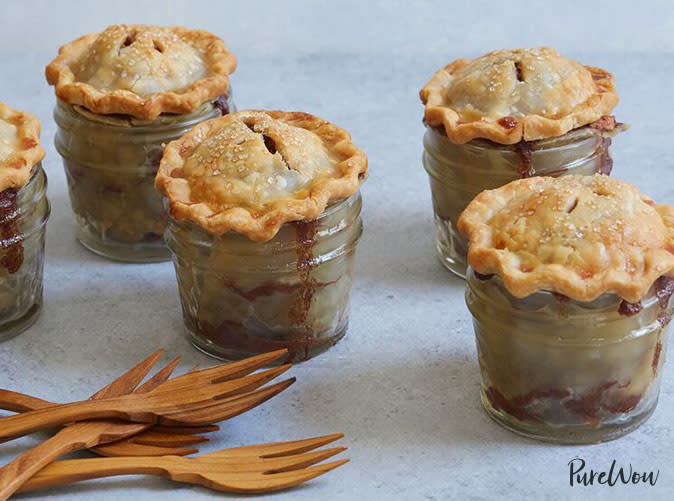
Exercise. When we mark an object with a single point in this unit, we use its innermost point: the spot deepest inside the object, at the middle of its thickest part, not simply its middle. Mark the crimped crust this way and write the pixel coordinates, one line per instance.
(508, 96)
(142, 71)
(20, 149)
(252, 171)
(580, 236)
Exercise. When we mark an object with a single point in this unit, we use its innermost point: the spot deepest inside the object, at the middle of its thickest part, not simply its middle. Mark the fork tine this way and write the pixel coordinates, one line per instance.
(254, 464)
(251, 363)
(125, 448)
(168, 440)
(159, 377)
(300, 461)
(279, 449)
(128, 381)
(246, 483)
(199, 388)
(232, 370)
(220, 410)
(186, 430)
(254, 381)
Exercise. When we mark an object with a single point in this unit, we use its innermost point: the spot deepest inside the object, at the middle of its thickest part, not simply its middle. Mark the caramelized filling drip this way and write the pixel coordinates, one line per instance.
(305, 232)
(222, 104)
(525, 167)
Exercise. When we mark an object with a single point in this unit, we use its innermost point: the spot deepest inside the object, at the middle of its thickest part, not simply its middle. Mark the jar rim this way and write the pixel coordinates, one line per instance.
(129, 124)
(600, 302)
(331, 208)
(573, 137)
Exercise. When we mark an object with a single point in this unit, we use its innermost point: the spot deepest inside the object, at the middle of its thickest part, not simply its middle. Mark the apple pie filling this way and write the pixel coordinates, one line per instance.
(110, 164)
(565, 370)
(241, 297)
(24, 210)
(23, 217)
(458, 172)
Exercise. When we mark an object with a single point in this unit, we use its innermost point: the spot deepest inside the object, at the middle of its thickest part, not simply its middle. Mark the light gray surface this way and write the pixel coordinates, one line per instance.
(403, 385)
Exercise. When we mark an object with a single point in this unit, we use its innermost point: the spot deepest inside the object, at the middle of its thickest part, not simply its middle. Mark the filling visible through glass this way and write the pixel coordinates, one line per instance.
(458, 172)
(550, 364)
(23, 214)
(111, 163)
(241, 297)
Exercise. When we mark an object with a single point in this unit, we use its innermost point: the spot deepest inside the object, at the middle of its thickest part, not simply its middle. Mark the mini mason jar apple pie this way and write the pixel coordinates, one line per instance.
(570, 287)
(24, 210)
(506, 115)
(122, 94)
(265, 219)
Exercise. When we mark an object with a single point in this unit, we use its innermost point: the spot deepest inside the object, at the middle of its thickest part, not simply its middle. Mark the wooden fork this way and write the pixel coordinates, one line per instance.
(190, 399)
(250, 469)
(89, 434)
(159, 441)
(82, 435)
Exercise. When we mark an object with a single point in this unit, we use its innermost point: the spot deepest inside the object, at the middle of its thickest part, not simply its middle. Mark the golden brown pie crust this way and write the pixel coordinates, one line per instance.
(142, 70)
(20, 138)
(508, 96)
(215, 174)
(580, 236)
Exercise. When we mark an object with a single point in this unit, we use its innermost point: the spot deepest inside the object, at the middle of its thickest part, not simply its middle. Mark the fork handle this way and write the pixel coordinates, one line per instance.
(20, 402)
(77, 470)
(21, 469)
(57, 415)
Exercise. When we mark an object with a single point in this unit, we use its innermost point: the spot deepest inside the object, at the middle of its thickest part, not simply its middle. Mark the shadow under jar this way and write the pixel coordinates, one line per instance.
(241, 297)
(567, 371)
(458, 172)
(23, 217)
(110, 163)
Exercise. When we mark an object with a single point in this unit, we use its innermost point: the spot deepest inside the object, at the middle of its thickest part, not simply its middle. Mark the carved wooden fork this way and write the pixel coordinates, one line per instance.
(188, 400)
(252, 469)
(158, 440)
(243, 394)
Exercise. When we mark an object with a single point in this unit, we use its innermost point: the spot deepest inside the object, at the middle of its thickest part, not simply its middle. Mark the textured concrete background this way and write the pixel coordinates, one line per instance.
(403, 385)
(354, 26)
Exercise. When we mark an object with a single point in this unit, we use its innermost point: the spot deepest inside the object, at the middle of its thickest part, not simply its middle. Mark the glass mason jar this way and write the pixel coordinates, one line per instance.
(566, 371)
(23, 219)
(110, 163)
(241, 297)
(458, 172)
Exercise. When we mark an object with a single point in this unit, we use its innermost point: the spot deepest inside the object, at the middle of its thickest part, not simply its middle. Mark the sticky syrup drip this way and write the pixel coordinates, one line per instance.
(305, 232)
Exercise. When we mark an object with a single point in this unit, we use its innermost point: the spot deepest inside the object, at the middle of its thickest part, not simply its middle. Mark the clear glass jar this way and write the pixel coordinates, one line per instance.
(458, 172)
(23, 219)
(241, 297)
(567, 371)
(110, 163)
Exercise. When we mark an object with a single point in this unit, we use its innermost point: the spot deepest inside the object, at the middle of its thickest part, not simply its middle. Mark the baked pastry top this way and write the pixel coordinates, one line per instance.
(20, 148)
(580, 236)
(252, 171)
(142, 70)
(508, 96)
